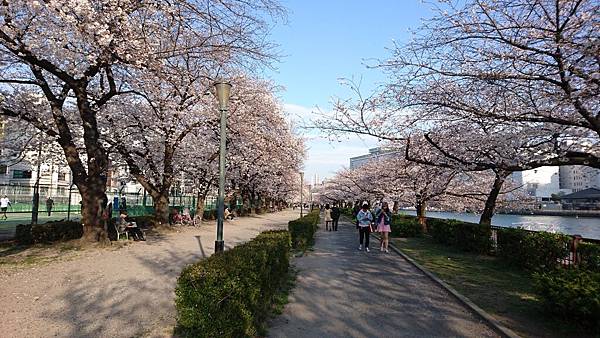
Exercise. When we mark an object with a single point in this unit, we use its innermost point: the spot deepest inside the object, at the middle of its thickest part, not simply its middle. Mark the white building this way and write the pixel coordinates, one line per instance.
(579, 177)
(540, 183)
(374, 153)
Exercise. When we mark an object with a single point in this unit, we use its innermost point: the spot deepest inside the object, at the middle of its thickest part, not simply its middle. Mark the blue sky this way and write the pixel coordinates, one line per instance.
(326, 40)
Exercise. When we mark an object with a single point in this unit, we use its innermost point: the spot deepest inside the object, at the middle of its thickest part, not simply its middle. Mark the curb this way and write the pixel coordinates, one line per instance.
(499, 328)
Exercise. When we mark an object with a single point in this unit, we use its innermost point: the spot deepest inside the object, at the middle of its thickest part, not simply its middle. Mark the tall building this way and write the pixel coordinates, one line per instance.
(540, 183)
(579, 177)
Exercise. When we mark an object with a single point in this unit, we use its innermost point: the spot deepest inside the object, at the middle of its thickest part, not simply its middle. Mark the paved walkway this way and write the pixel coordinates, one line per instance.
(343, 292)
(127, 292)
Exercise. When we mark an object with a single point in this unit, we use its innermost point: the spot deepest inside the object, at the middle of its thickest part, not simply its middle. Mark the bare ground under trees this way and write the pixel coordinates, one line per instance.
(112, 293)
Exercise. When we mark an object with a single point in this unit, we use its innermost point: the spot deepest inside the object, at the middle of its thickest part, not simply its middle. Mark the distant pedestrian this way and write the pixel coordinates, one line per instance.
(384, 222)
(328, 219)
(4, 204)
(335, 216)
(355, 212)
(365, 218)
(49, 205)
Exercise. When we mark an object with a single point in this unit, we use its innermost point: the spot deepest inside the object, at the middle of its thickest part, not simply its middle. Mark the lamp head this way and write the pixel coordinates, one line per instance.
(223, 91)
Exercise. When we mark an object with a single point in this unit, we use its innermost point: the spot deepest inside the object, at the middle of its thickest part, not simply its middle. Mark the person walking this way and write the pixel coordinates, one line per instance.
(4, 204)
(49, 205)
(328, 219)
(364, 218)
(384, 222)
(335, 216)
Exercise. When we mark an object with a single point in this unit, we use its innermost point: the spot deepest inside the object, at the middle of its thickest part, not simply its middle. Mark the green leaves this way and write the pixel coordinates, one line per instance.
(230, 294)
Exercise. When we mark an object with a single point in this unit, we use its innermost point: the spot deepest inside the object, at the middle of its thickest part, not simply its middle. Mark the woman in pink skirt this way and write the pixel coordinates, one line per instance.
(384, 221)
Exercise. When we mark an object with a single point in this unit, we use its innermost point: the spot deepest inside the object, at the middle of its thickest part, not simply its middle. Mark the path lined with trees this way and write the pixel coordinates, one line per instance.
(342, 292)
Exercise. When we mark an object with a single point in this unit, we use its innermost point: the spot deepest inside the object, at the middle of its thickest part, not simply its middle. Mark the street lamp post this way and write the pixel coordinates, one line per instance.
(36, 188)
(223, 90)
(301, 193)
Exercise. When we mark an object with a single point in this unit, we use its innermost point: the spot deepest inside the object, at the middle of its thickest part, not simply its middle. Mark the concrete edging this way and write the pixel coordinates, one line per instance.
(467, 302)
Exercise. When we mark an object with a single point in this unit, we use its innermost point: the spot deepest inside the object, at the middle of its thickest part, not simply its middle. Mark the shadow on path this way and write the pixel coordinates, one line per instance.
(343, 292)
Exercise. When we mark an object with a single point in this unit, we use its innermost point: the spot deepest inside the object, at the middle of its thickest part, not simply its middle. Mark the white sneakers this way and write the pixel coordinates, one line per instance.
(360, 248)
(386, 251)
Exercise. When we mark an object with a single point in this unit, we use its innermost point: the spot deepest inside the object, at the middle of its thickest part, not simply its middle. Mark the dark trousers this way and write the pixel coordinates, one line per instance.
(363, 233)
(135, 233)
(49, 211)
(334, 224)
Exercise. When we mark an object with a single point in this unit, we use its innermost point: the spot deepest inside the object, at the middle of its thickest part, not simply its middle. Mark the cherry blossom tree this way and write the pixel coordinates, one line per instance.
(63, 61)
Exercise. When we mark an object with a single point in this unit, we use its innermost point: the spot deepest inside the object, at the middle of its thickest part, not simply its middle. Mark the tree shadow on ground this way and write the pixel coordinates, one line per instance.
(342, 292)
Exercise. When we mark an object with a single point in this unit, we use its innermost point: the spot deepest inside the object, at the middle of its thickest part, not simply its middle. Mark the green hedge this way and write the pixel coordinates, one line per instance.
(230, 294)
(572, 294)
(48, 232)
(303, 230)
(470, 237)
(532, 250)
(589, 253)
(405, 226)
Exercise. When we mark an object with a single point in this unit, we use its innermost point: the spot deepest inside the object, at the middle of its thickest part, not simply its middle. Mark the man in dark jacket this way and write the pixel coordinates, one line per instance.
(335, 217)
(49, 205)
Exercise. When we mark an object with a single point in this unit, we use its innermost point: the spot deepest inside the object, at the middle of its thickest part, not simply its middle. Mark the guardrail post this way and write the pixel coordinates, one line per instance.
(576, 240)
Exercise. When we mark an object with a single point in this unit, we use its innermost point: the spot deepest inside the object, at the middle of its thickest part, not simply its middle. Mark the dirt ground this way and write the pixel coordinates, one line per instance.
(116, 292)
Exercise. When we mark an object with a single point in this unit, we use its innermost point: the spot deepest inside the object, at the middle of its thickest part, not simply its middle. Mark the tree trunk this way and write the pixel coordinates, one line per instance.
(161, 207)
(94, 225)
(200, 206)
(421, 206)
(395, 207)
(490, 203)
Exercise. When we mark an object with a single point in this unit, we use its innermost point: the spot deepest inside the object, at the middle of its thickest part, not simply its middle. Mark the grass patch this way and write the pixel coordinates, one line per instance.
(281, 298)
(505, 292)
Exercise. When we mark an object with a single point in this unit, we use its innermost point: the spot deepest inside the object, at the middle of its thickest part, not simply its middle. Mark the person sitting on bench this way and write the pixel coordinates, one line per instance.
(132, 229)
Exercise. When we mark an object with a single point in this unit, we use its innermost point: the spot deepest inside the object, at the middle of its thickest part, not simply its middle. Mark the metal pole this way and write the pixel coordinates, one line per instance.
(301, 194)
(69, 205)
(219, 243)
(36, 189)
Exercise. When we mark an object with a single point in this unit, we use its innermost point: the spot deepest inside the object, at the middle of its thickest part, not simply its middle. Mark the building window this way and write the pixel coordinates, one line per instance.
(62, 176)
(3, 169)
(21, 173)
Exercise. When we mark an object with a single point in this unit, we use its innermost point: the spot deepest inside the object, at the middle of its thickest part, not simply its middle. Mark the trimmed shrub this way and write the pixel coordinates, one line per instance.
(470, 237)
(56, 231)
(405, 226)
(48, 232)
(589, 254)
(230, 294)
(23, 234)
(473, 237)
(442, 230)
(532, 250)
(303, 230)
(571, 293)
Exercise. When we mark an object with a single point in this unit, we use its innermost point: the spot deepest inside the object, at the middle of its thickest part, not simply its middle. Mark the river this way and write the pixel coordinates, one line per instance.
(588, 227)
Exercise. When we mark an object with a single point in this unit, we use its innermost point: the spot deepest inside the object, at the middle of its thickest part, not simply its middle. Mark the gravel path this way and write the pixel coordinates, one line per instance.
(113, 293)
(343, 292)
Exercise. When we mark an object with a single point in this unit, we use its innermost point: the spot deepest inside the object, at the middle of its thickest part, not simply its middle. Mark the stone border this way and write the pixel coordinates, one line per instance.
(506, 332)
